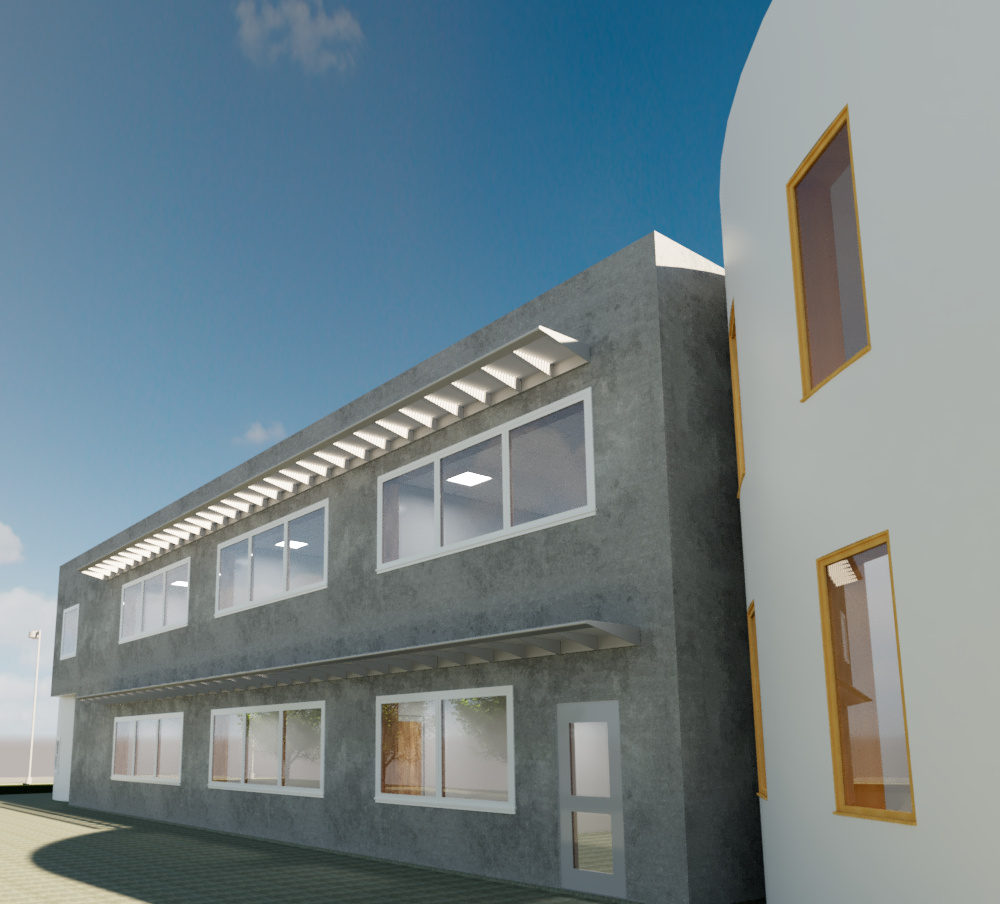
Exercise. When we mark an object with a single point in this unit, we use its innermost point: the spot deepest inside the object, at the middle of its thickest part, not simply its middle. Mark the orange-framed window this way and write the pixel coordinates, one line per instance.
(758, 725)
(734, 372)
(826, 259)
(864, 677)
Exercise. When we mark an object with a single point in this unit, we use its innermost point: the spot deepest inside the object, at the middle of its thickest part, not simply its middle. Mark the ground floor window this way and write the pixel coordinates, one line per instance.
(447, 749)
(148, 748)
(274, 749)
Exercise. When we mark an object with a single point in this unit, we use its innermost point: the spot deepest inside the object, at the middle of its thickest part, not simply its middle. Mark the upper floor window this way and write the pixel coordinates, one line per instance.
(70, 626)
(531, 473)
(447, 749)
(826, 258)
(275, 749)
(871, 753)
(148, 748)
(279, 560)
(156, 602)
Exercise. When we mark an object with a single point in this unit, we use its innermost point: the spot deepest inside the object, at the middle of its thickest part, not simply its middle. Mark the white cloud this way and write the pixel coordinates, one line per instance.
(21, 611)
(257, 434)
(300, 30)
(11, 549)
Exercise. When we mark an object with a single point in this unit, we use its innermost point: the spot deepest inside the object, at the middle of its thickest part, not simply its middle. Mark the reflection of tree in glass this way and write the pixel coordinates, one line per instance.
(302, 735)
(484, 720)
(392, 750)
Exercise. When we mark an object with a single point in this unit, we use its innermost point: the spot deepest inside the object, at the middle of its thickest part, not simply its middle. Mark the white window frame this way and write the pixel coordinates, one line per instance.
(288, 594)
(508, 530)
(270, 789)
(146, 577)
(76, 634)
(147, 779)
(447, 803)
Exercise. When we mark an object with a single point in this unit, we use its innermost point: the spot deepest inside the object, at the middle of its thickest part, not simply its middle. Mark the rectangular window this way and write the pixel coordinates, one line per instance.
(871, 757)
(826, 259)
(148, 749)
(155, 603)
(447, 749)
(533, 472)
(734, 373)
(758, 725)
(70, 626)
(274, 749)
(277, 561)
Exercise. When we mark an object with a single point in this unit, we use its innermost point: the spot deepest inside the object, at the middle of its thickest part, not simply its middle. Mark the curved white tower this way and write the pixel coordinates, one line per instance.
(860, 208)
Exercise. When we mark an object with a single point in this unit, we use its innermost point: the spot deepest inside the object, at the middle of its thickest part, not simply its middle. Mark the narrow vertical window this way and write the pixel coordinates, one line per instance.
(758, 725)
(734, 373)
(871, 758)
(826, 259)
(70, 626)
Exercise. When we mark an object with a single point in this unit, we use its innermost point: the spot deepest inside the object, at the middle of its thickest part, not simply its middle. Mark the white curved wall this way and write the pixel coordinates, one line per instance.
(907, 439)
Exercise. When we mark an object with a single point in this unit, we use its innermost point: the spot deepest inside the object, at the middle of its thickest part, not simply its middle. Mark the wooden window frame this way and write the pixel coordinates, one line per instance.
(843, 809)
(734, 373)
(758, 724)
(808, 388)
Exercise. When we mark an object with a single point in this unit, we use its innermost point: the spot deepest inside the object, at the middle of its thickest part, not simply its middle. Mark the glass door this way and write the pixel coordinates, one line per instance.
(592, 843)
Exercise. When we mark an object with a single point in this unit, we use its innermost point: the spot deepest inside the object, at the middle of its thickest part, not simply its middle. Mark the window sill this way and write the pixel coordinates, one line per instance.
(146, 780)
(446, 803)
(266, 789)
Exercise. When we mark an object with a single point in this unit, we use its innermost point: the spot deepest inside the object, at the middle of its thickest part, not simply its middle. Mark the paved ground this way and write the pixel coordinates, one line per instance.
(51, 853)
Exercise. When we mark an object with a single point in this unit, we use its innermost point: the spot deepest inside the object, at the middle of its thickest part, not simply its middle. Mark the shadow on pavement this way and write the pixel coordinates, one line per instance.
(162, 863)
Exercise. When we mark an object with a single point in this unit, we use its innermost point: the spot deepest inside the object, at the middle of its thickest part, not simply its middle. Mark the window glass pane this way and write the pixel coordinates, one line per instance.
(145, 747)
(471, 492)
(831, 260)
(592, 848)
(71, 621)
(302, 764)
(124, 747)
(169, 757)
(177, 595)
(548, 466)
(869, 691)
(152, 603)
(228, 734)
(268, 563)
(474, 748)
(234, 575)
(589, 767)
(263, 761)
(306, 542)
(408, 742)
(131, 610)
(408, 515)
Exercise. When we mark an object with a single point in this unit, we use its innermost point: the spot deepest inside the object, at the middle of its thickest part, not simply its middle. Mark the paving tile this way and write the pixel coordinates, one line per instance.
(60, 854)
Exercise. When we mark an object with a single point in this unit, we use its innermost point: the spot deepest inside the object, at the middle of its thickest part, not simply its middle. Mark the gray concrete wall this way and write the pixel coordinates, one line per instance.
(659, 553)
(725, 860)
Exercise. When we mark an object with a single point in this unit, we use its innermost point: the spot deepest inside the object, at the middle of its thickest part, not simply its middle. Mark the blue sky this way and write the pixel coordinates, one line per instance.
(220, 222)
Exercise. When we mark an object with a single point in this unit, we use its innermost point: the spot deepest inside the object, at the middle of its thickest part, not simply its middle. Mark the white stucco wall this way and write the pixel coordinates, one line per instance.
(907, 439)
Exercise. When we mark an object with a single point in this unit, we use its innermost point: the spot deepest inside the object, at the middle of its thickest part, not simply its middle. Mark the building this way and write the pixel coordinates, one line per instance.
(858, 210)
(487, 618)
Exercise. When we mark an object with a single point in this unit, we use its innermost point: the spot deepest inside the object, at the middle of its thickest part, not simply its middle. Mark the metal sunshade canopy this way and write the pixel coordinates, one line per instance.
(554, 640)
(534, 358)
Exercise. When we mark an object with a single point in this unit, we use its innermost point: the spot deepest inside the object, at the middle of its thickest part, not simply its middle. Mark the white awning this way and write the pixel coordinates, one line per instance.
(554, 640)
(526, 362)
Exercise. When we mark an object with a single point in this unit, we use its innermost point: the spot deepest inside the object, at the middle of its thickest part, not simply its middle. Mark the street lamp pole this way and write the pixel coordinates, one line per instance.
(34, 635)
